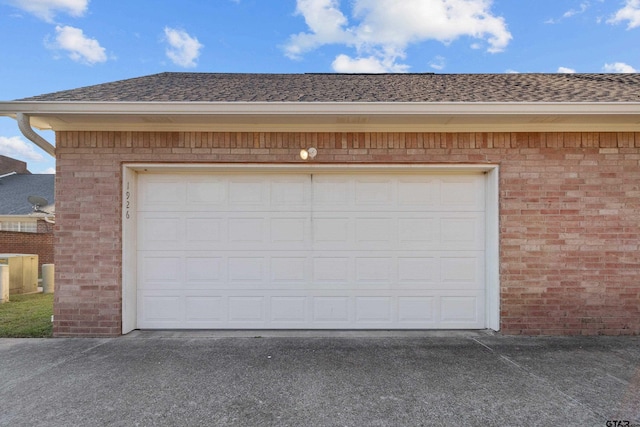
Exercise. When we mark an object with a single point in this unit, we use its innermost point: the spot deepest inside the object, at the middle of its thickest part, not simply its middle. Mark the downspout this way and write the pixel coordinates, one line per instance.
(24, 123)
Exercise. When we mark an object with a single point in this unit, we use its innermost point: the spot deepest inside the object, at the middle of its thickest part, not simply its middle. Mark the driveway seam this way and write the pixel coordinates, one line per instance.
(539, 378)
(7, 386)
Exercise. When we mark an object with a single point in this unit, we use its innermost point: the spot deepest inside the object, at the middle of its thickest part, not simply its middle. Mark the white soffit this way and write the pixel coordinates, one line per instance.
(322, 116)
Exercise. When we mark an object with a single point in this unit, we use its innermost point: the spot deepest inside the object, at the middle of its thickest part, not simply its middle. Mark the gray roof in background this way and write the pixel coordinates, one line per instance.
(14, 190)
(210, 87)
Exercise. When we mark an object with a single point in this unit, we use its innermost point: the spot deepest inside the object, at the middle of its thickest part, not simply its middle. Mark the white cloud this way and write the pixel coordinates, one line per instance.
(438, 63)
(630, 12)
(584, 6)
(619, 67)
(78, 47)
(48, 171)
(572, 12)
(385, 28)
(47, 9)
(345, 64)
(566, 70)
(17, 148)
(326, 22)
(183, 49)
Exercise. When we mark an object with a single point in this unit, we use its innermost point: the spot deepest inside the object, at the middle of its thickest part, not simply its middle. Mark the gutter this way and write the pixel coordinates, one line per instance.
(8, 174)
(89, 108)
(24, 123)
(261, 116)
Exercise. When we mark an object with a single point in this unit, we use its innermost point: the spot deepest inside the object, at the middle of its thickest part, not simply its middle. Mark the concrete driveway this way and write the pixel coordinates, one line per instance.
(320, 379)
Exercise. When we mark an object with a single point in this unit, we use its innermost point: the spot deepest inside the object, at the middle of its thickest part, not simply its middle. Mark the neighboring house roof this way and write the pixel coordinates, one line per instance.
(342, 103)
(16, 188)
(210, 87)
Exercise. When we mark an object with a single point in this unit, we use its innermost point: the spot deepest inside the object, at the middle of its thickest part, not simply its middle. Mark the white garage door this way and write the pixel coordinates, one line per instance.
(311, 251)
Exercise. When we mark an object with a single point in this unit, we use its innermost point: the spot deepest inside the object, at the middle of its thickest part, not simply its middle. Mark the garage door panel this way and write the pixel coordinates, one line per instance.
(308, 251)
(289, 270)
(375, 231)
(374, 272)
(247, 232)
(462, 272)
(372, 191)
(330, 193)
(417, 311)
(204, 271)
(398, 231)
(331, 231)
(246, 270)
(290, 194)
(353, 231)
(417, 272)
(161, 193)
(330, 271)
(374, 310)
(330, 309)
(243, 309)
(289, 232)
(161, 310)
(418, 193)
(202, 309)
(161, 230)
(462, 193)
(418, 232)
(319, 310)
(161, 272)
(462, 232)
(289, 310)
(247, 193)
(461, 309)
(205, 232)
(208, 192)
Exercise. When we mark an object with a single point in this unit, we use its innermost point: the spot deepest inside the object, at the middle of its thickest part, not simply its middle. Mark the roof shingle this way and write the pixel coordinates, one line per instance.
(470, 88)
(15, 189)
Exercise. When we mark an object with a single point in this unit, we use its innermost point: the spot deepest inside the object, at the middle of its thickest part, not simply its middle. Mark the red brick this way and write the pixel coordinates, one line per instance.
(568, 215)
(39, 243)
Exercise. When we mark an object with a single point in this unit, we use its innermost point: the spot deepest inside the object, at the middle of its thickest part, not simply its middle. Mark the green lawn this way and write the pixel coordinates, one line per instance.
(26, 316)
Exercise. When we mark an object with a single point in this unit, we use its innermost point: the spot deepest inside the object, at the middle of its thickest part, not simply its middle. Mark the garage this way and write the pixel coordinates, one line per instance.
(300, 201)
(308, 249)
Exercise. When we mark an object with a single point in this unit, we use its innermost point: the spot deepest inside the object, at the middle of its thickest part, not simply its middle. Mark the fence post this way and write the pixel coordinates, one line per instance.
(4, 283)
(48, 278)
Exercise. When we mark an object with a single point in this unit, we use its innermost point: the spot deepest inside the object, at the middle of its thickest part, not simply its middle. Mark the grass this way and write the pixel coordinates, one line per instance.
(26, 316)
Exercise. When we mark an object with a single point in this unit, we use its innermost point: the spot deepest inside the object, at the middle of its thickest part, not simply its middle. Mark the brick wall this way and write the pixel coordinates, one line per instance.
(8, 165)
(40, 243)
(569, 215)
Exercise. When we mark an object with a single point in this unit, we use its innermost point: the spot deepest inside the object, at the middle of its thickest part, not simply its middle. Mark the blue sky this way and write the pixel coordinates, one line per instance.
(51, 45)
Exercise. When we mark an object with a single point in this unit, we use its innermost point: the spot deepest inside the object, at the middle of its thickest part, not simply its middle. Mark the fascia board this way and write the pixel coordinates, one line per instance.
(36, 108)
(19, 217)
(328, 116)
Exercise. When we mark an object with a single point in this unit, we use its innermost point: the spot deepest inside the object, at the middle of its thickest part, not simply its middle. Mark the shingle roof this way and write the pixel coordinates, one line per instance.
(14, 190)
(212, 87)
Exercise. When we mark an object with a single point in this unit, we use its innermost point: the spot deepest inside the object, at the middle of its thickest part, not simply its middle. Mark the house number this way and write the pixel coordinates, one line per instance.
(127, 202)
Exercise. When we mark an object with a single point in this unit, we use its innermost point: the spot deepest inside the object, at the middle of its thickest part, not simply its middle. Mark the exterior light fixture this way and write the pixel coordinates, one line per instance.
(309, 153)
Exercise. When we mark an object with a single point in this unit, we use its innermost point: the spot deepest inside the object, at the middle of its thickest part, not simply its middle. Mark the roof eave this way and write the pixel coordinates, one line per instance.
(275, 108)
(330, 116)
